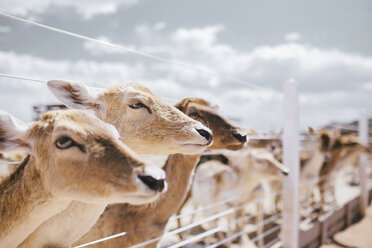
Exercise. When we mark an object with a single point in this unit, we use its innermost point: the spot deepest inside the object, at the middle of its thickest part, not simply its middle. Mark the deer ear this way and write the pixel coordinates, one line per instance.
(75, 95)
(325, 141)
(311, 130)
(13, 133)
(182, 105)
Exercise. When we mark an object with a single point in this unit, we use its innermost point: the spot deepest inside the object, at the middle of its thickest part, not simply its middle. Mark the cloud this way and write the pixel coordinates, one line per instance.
(98, 49)
(333, 84)
(198, 37)
(292, 37)
(87, 8)
(146, 29)
(160, 26)
(4, 29)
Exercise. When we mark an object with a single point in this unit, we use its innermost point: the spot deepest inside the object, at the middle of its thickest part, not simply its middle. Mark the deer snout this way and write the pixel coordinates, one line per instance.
(240, 137)
(157, 185)
(285, 172)
(206, 134)
(153, 178)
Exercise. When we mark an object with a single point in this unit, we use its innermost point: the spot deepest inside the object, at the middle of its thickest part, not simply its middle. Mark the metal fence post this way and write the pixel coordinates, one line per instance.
(291, 218)
(363, 136)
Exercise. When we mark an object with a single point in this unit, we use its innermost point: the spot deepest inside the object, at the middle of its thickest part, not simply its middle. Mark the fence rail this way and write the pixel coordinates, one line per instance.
(328, 225)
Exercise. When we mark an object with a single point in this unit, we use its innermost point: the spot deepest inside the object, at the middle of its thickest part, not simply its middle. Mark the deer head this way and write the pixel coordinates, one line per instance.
(351, 147)
(225, 134)
(145, 122)
(80, 157)
(265, 163)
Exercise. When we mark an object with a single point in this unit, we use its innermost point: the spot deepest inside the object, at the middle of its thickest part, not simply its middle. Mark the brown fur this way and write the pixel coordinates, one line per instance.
(155, 123)
(342, 149)
(150, 220)
(161, 128)
(102, 172)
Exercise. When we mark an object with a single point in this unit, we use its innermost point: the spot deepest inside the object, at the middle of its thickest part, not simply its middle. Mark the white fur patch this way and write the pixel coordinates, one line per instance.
(86, 95)
(13, 131)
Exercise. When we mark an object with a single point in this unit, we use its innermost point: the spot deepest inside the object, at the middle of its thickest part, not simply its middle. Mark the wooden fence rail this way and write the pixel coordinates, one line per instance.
(331, 223)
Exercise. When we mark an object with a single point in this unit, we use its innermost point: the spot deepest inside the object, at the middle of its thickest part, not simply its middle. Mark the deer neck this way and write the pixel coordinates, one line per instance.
(349, 157)
(180, 171)
(329, 166)
(250, 178)
(124, 217)
(25, 204)
(311, 169)
(66, 227)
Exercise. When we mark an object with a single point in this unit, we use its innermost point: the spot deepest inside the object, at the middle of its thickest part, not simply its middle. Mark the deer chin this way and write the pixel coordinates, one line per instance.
(192, 149)
(142, 195)
(142, 199)
(235, 147)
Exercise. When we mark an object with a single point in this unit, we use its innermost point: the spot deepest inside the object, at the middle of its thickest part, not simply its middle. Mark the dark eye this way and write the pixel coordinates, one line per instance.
(139, 105)
(64, 143)
(194, 115)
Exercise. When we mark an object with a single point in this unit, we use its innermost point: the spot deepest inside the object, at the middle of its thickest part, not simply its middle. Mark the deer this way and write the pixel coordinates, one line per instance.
(71, 155)
(344, 149)
(318, 163)
(315, 148)
(145, 123)
(238, 175)
(215, 181)
(149, 220)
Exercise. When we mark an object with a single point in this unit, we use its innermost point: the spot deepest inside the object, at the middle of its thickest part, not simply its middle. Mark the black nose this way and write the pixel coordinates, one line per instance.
(206, 134)
(285, 173)
(239, 137)
(152, 183)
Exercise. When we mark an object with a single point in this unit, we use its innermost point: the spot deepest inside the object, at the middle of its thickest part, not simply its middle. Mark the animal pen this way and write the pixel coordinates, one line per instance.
(263, 226)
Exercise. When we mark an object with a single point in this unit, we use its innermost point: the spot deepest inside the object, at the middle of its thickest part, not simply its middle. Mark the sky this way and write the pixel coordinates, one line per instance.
(325, 46)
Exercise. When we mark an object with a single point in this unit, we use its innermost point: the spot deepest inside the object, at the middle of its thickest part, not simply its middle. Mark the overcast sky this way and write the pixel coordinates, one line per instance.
(326, 46)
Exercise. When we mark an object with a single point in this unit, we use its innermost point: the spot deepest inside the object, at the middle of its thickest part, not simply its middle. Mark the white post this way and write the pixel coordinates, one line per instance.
(363, 136)
(291, 159)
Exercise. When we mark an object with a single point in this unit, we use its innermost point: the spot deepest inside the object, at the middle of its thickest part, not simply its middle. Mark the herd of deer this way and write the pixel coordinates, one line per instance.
(84, 178)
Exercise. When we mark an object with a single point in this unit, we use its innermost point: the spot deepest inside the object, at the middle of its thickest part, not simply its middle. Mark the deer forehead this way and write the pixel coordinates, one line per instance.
(79, 123)
(128, 91)
(207, 107)
(115, 102)
(131, 94)
(211, 111)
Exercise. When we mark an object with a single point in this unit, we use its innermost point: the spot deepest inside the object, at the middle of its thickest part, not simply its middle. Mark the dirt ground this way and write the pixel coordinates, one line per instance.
(358, 235)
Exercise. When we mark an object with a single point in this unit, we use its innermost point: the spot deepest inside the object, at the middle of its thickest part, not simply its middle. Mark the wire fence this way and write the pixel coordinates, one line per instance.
(121, 48)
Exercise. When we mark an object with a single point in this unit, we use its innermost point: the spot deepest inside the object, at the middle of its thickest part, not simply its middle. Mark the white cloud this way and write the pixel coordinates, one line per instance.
(198, 37)
(87, 8)
(159, 26)
(146, 29)
(291, 37)
(98, 49)
(4, 29)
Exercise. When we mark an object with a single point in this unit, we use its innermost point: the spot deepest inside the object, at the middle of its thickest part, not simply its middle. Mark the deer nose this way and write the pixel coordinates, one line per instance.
(206, 134)
(154, 184)
(239, 137)
(285, 173)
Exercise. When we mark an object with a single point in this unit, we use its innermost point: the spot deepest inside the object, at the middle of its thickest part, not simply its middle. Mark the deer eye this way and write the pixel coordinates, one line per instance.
(194, 115)
(139, 105)
(64, 143)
